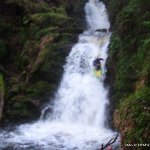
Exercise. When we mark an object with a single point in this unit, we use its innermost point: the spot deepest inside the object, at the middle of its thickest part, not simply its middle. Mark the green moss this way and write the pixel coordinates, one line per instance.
(49, 17)
(19, 108)
(2, 88)
(129, 65)
(146, 24)
(143, 57)
(61, 10)
(51, 31)
(39, 89)
(34, 37)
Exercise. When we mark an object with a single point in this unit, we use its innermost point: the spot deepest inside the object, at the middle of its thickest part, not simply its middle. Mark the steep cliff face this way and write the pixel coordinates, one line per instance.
(129, 69)
(36, 36)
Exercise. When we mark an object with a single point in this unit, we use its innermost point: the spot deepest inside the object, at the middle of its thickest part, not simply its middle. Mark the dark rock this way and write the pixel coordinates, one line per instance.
(102, 30)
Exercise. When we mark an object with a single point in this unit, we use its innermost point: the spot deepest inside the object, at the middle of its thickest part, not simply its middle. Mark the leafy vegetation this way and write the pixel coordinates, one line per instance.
(129, 68)
(135, 113)
(33, 47)
(1, 83)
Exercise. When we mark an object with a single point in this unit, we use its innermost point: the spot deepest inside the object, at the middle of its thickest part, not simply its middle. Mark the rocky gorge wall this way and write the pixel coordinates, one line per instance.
(128, 67)
(36, 36)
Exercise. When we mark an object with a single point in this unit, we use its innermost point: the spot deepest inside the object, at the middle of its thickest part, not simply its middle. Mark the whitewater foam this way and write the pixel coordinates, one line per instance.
(78, 117)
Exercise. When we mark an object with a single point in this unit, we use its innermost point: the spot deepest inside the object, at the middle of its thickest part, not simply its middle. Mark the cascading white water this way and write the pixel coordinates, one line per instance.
(78, 118)
(96, 15)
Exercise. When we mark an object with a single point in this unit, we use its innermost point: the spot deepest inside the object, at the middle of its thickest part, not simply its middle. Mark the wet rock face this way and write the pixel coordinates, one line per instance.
(36, 36)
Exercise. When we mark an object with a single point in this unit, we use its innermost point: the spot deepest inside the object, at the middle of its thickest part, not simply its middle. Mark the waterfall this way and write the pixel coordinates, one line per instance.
(78, 117)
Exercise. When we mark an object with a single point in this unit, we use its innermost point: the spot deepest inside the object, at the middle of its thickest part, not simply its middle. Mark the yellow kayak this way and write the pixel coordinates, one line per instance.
(98, 73)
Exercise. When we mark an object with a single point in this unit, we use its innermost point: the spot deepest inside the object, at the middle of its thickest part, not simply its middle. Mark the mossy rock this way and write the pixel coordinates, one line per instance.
(2, 87)
(21, 108)
(39, 90)
(35, 36)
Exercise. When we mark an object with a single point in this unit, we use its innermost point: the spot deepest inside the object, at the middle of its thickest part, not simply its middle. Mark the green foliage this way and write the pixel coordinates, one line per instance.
(114, 46)
(143, 57)
(34, 38)
(30, 6)
(61, 10)
(44, 19)
(146, 24)
(135, 110)
(39, 89)
(2, 88)
(129, 63)
(129, 9)
(52, 31)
